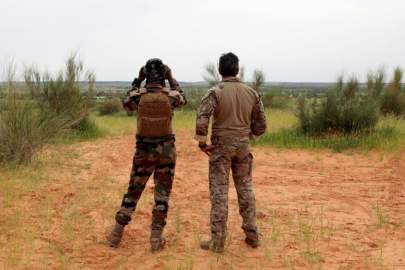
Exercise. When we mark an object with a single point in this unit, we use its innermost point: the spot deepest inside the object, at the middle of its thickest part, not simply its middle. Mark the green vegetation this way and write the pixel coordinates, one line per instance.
(393, 98)
(34, 114)
(45, 108)
(24, 129)
(283, 132)
(343, 111)
(389, 135)
(116, 124)
(110, 106)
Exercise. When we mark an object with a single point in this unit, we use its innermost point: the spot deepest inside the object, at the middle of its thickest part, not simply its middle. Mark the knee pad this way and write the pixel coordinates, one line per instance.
(122, 219)
(162, 206)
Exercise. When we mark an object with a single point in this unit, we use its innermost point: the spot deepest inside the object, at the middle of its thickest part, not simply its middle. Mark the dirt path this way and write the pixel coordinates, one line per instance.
(315, 210)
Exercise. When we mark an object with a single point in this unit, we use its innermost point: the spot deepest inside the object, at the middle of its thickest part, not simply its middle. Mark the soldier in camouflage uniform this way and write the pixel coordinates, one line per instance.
(155, 151)
(238, 116)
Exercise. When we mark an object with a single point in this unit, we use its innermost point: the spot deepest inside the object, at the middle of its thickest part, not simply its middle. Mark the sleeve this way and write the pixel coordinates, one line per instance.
(131, 102)
(174, 85)
(259, 123)
(177, 98)
(204, 112)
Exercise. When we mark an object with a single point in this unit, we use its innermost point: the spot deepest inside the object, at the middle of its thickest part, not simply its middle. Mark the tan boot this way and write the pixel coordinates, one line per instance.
(252, 239)
(214, 246)
(115, 236)
(157, 242)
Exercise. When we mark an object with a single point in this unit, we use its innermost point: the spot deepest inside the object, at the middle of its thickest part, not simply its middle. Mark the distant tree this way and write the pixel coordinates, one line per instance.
(211, 75)
(393, 96)
(241, 74)
(258, 79)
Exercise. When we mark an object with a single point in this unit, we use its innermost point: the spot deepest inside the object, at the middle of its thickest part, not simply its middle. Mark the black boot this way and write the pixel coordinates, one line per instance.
(115, 236)
(157, 242)
(252, 239)
(212, 245)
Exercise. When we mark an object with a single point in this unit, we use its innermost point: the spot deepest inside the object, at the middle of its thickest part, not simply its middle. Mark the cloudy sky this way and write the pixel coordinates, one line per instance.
(290, 40)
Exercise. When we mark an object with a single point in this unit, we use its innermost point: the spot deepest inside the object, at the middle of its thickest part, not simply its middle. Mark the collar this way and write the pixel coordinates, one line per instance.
(230, 79)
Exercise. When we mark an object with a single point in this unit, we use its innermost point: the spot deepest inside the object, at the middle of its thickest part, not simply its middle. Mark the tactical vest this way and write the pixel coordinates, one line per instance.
(154, 115)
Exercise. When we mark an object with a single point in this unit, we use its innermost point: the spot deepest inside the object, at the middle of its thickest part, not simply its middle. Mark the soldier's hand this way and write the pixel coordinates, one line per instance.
(207, 149)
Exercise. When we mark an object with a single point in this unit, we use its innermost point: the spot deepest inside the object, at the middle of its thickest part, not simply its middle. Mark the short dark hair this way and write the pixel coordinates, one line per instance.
(228, 65)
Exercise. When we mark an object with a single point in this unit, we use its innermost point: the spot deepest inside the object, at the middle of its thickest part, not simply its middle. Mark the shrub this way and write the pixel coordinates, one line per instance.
(110, 106)
(24, 129)
(393, 97)
(343, 110)
(258, 79)
(275, 99)
(55, 105)
(61, 95)
(194, 97)
(86, 128)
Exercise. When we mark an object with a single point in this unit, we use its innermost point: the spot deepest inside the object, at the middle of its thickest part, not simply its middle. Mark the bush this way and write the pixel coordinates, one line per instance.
(86, 128)
(344, 110)
(393, 97)
(24, 129)
(54, 106)
(110, 106)
(62, 95)
(275, 99)
(194, 97)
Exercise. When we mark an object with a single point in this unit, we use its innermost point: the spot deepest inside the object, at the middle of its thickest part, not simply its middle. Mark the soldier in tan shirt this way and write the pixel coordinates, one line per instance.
(238, 116)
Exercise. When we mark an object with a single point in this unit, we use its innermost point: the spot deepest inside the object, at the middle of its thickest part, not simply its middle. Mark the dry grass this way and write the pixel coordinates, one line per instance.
(55, 212)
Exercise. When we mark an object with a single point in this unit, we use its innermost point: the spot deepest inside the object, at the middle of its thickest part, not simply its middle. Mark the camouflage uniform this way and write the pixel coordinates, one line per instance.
(231, 152)
(155, 155)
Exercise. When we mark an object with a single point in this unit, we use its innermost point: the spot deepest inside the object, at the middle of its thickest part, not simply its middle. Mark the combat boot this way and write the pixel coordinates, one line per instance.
(157, 242)
(115, 236)
(252, 239)
(212, 245)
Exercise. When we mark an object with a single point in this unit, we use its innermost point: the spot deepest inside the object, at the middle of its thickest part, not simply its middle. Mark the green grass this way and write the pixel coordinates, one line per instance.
(282, 132)
(117, 124)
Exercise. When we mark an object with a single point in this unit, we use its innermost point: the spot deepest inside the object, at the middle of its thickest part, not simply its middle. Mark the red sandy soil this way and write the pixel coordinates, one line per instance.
(316, 210)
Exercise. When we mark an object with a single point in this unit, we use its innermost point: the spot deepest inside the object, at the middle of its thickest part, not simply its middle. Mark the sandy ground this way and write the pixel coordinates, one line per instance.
(316, 210)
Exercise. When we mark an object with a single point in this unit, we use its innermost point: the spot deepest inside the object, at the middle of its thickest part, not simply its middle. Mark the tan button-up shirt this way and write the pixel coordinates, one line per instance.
(237, 112)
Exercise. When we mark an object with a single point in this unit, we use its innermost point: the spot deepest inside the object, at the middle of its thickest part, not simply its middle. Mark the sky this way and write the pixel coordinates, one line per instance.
(289, 40)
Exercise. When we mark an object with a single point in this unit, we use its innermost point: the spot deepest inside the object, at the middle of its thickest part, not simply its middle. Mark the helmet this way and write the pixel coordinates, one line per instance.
(155, 71)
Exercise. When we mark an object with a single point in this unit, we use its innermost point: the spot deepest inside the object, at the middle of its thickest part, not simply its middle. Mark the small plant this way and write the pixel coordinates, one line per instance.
(382, 218)
(110, 106)
(177, 222)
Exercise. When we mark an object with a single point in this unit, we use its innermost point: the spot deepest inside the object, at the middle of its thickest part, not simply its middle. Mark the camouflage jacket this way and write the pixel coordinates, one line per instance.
(237, 112)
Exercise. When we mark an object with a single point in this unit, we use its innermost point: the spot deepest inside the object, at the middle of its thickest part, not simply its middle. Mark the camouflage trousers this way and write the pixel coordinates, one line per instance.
(231, 154)
(159, 158)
